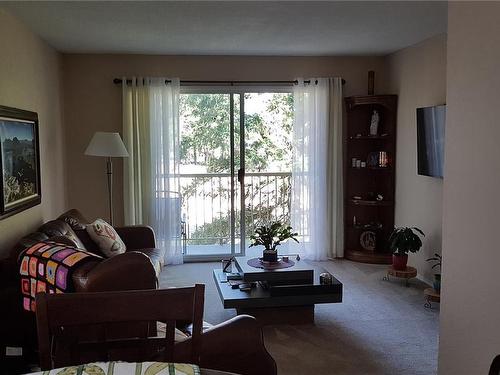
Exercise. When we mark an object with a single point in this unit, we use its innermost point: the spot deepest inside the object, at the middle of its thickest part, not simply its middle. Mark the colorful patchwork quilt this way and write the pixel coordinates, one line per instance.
(124, 368)
(47, 267)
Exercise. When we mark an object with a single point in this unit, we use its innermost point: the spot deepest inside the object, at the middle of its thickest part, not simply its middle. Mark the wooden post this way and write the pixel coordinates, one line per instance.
(371, 82)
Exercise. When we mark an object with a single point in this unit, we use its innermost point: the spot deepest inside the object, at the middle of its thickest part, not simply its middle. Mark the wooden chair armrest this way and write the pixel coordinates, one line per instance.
(236, 345)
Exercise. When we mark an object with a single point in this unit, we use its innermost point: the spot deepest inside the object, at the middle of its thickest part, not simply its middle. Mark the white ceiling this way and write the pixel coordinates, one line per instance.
(232, 27)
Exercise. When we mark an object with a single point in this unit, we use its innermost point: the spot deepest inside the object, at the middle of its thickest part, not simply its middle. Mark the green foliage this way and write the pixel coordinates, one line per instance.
(206, 132)
(14, 189)
(272, 235)
(404, 240)
(437, 259)
(262, 144)
(216, 232)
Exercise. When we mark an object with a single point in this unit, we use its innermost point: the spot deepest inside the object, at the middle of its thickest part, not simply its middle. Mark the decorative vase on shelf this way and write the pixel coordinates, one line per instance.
(270, 255)
(374, 123)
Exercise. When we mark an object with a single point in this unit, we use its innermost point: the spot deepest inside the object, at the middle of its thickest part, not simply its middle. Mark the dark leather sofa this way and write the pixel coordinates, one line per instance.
(137, 268)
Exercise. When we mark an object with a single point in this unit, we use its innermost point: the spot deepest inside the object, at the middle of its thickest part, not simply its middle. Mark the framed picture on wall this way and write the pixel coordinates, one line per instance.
(19, 161)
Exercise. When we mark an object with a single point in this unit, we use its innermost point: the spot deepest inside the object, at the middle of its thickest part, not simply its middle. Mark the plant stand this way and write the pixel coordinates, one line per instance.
(407, 274)
(431, 295)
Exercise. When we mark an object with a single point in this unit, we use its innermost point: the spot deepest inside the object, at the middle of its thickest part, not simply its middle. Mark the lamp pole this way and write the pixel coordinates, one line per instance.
(108, 145)
(109, 172)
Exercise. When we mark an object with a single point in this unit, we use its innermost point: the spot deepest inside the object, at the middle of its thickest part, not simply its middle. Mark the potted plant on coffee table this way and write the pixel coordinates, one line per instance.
(437, 276)
(271, 236)
(404, 240)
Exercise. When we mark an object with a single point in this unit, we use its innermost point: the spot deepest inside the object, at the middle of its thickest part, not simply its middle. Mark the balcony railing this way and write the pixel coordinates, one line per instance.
(206, 208)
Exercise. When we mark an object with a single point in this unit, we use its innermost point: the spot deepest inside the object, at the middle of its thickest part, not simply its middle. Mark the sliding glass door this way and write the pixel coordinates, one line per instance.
(235, 167)
(268, 121)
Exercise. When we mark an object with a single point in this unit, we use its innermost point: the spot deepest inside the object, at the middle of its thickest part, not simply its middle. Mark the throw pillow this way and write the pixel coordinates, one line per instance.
(105, 236)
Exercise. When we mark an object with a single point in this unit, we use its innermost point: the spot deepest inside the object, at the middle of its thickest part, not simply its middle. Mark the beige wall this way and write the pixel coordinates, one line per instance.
(470, 308)
(30, 79)
(93, 102)
(417, 74)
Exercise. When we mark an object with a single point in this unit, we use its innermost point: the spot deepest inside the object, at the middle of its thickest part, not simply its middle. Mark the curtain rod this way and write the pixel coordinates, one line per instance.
(117, 81)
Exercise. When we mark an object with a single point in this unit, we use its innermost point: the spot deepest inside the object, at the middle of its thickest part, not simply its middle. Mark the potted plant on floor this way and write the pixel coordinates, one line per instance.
(402, 241)
(437, 276)
(271, 236)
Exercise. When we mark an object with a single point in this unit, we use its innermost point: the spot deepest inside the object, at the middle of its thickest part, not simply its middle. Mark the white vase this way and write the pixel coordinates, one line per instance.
(374, 123)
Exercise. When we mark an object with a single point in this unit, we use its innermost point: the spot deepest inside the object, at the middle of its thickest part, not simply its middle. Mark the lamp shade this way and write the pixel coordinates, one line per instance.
(106, 144)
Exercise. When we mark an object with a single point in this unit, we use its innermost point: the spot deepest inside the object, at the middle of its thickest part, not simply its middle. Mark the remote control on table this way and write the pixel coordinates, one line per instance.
(245, 287)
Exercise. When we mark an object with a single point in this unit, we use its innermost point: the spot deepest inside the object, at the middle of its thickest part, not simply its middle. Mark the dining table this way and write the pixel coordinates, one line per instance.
(132, 368)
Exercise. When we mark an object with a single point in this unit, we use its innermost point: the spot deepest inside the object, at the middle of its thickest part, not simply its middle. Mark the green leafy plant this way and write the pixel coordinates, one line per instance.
(272, 235)
(437, 261)
(404, 240)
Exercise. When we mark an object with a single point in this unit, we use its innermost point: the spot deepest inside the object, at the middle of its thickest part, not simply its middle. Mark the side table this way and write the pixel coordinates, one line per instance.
(407, 274)
(431, 295)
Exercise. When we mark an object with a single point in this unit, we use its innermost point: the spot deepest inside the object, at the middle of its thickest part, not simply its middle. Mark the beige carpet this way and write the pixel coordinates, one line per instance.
(380, 328)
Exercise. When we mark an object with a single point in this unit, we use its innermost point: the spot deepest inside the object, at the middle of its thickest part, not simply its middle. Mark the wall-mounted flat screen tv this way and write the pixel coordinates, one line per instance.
(430, 140)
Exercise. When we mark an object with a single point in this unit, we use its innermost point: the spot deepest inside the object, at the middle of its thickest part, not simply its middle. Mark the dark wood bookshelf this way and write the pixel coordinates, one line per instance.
(364, 227)
(368, 137)
(373, 168)
(368, 181)
(364, 256)
(360, 202)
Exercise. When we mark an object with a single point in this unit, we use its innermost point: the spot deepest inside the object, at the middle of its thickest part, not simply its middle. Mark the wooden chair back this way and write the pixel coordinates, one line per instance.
(73, 328)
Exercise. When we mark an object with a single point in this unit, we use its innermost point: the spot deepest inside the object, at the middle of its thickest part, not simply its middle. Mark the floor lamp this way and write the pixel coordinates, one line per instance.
(109, 145)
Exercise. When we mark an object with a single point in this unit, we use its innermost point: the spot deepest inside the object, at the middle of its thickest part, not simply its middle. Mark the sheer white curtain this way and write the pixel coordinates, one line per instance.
(151, 173)
(317, 186)
(137, 171)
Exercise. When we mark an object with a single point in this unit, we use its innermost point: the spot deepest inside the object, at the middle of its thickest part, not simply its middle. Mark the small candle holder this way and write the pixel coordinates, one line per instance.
(325, 278)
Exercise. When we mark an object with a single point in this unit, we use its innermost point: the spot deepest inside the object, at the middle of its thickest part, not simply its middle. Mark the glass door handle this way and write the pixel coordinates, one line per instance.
(241, 175)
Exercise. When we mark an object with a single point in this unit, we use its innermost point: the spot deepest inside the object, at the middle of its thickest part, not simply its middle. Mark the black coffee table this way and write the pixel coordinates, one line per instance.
(285, 295)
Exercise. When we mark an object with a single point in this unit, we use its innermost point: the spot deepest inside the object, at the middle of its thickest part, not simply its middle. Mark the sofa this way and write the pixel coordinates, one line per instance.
(137, 268)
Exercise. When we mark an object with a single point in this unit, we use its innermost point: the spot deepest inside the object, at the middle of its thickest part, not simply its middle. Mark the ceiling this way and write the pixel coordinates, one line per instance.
(232, 27)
